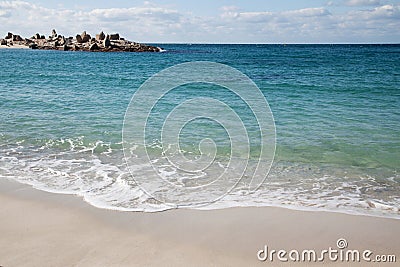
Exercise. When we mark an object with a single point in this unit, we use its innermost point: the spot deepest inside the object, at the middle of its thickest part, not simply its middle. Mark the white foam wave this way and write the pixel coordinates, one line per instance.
(103, 180)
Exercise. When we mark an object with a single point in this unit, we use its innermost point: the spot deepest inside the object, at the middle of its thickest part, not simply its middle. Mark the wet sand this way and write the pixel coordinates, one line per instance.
(45, 229)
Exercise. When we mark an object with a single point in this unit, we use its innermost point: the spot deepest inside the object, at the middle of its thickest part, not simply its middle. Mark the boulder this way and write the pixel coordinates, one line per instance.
(107, 42)
(100, 37)
(53, 33)
(61, 40)
(79, 39)
(9, 36)
(33, 46)
(94, 47)
(42, 37)
(114, 36)
(3, 42)
(17, 38)
(68, 41)
(85, 37)
(37, 36)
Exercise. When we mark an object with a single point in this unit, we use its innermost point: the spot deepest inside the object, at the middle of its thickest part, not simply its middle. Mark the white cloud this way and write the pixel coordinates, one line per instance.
(132, 22)
(308, 12)
(261, 17)
(5, 14)
(155, 23)
(363, 2)
(15, 5)
(273, 26)
(378, 24)
(135, 13)
(229, 8)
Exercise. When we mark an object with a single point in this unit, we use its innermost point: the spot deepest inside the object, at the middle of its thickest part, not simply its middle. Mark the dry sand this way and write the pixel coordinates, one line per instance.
(44, 229)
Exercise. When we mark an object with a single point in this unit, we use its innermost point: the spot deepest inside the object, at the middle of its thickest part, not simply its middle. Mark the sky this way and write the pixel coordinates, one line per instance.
(210, 21)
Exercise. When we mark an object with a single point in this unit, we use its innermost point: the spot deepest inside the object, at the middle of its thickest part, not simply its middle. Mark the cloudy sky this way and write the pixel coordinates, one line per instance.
(211, 21)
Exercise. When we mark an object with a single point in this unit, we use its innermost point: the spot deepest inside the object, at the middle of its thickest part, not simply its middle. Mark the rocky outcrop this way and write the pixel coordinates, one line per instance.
(100, 37)
(17, 38)
(94, 47)
(13, 39)
(33, 46)
(114, 36)
(81, 42)
(85, 37)
(107, 42)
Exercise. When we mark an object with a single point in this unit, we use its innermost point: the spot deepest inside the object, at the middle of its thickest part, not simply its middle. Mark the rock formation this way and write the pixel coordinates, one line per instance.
(114, 36)
(81, 42)
(100, 37)
(85, 37)
(17, 38)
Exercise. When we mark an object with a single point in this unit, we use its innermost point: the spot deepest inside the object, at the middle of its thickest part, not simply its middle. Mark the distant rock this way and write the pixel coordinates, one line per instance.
(81, 42)
(33, 46)
(107, 42)
(17, 38)
(79, 39)
(69, 40)
(94, 47)
(100, 37)
(85, 37)
(14, 37)
(61, 40)
(114, 36)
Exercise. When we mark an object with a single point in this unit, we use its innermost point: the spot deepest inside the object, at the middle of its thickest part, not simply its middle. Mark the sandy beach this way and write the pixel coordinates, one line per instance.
(45, 229)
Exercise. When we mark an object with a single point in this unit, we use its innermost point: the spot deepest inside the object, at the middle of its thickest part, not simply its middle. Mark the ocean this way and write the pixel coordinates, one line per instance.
(335, 108)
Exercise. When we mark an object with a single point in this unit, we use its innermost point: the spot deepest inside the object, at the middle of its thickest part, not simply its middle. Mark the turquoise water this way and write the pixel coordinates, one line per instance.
(336, 110)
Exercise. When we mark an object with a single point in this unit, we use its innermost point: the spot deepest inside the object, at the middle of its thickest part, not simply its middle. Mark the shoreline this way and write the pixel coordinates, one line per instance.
(292, 207)
(53, 230)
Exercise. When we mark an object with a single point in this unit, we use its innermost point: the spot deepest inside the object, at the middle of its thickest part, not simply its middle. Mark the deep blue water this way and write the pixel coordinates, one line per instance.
(336, 110)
